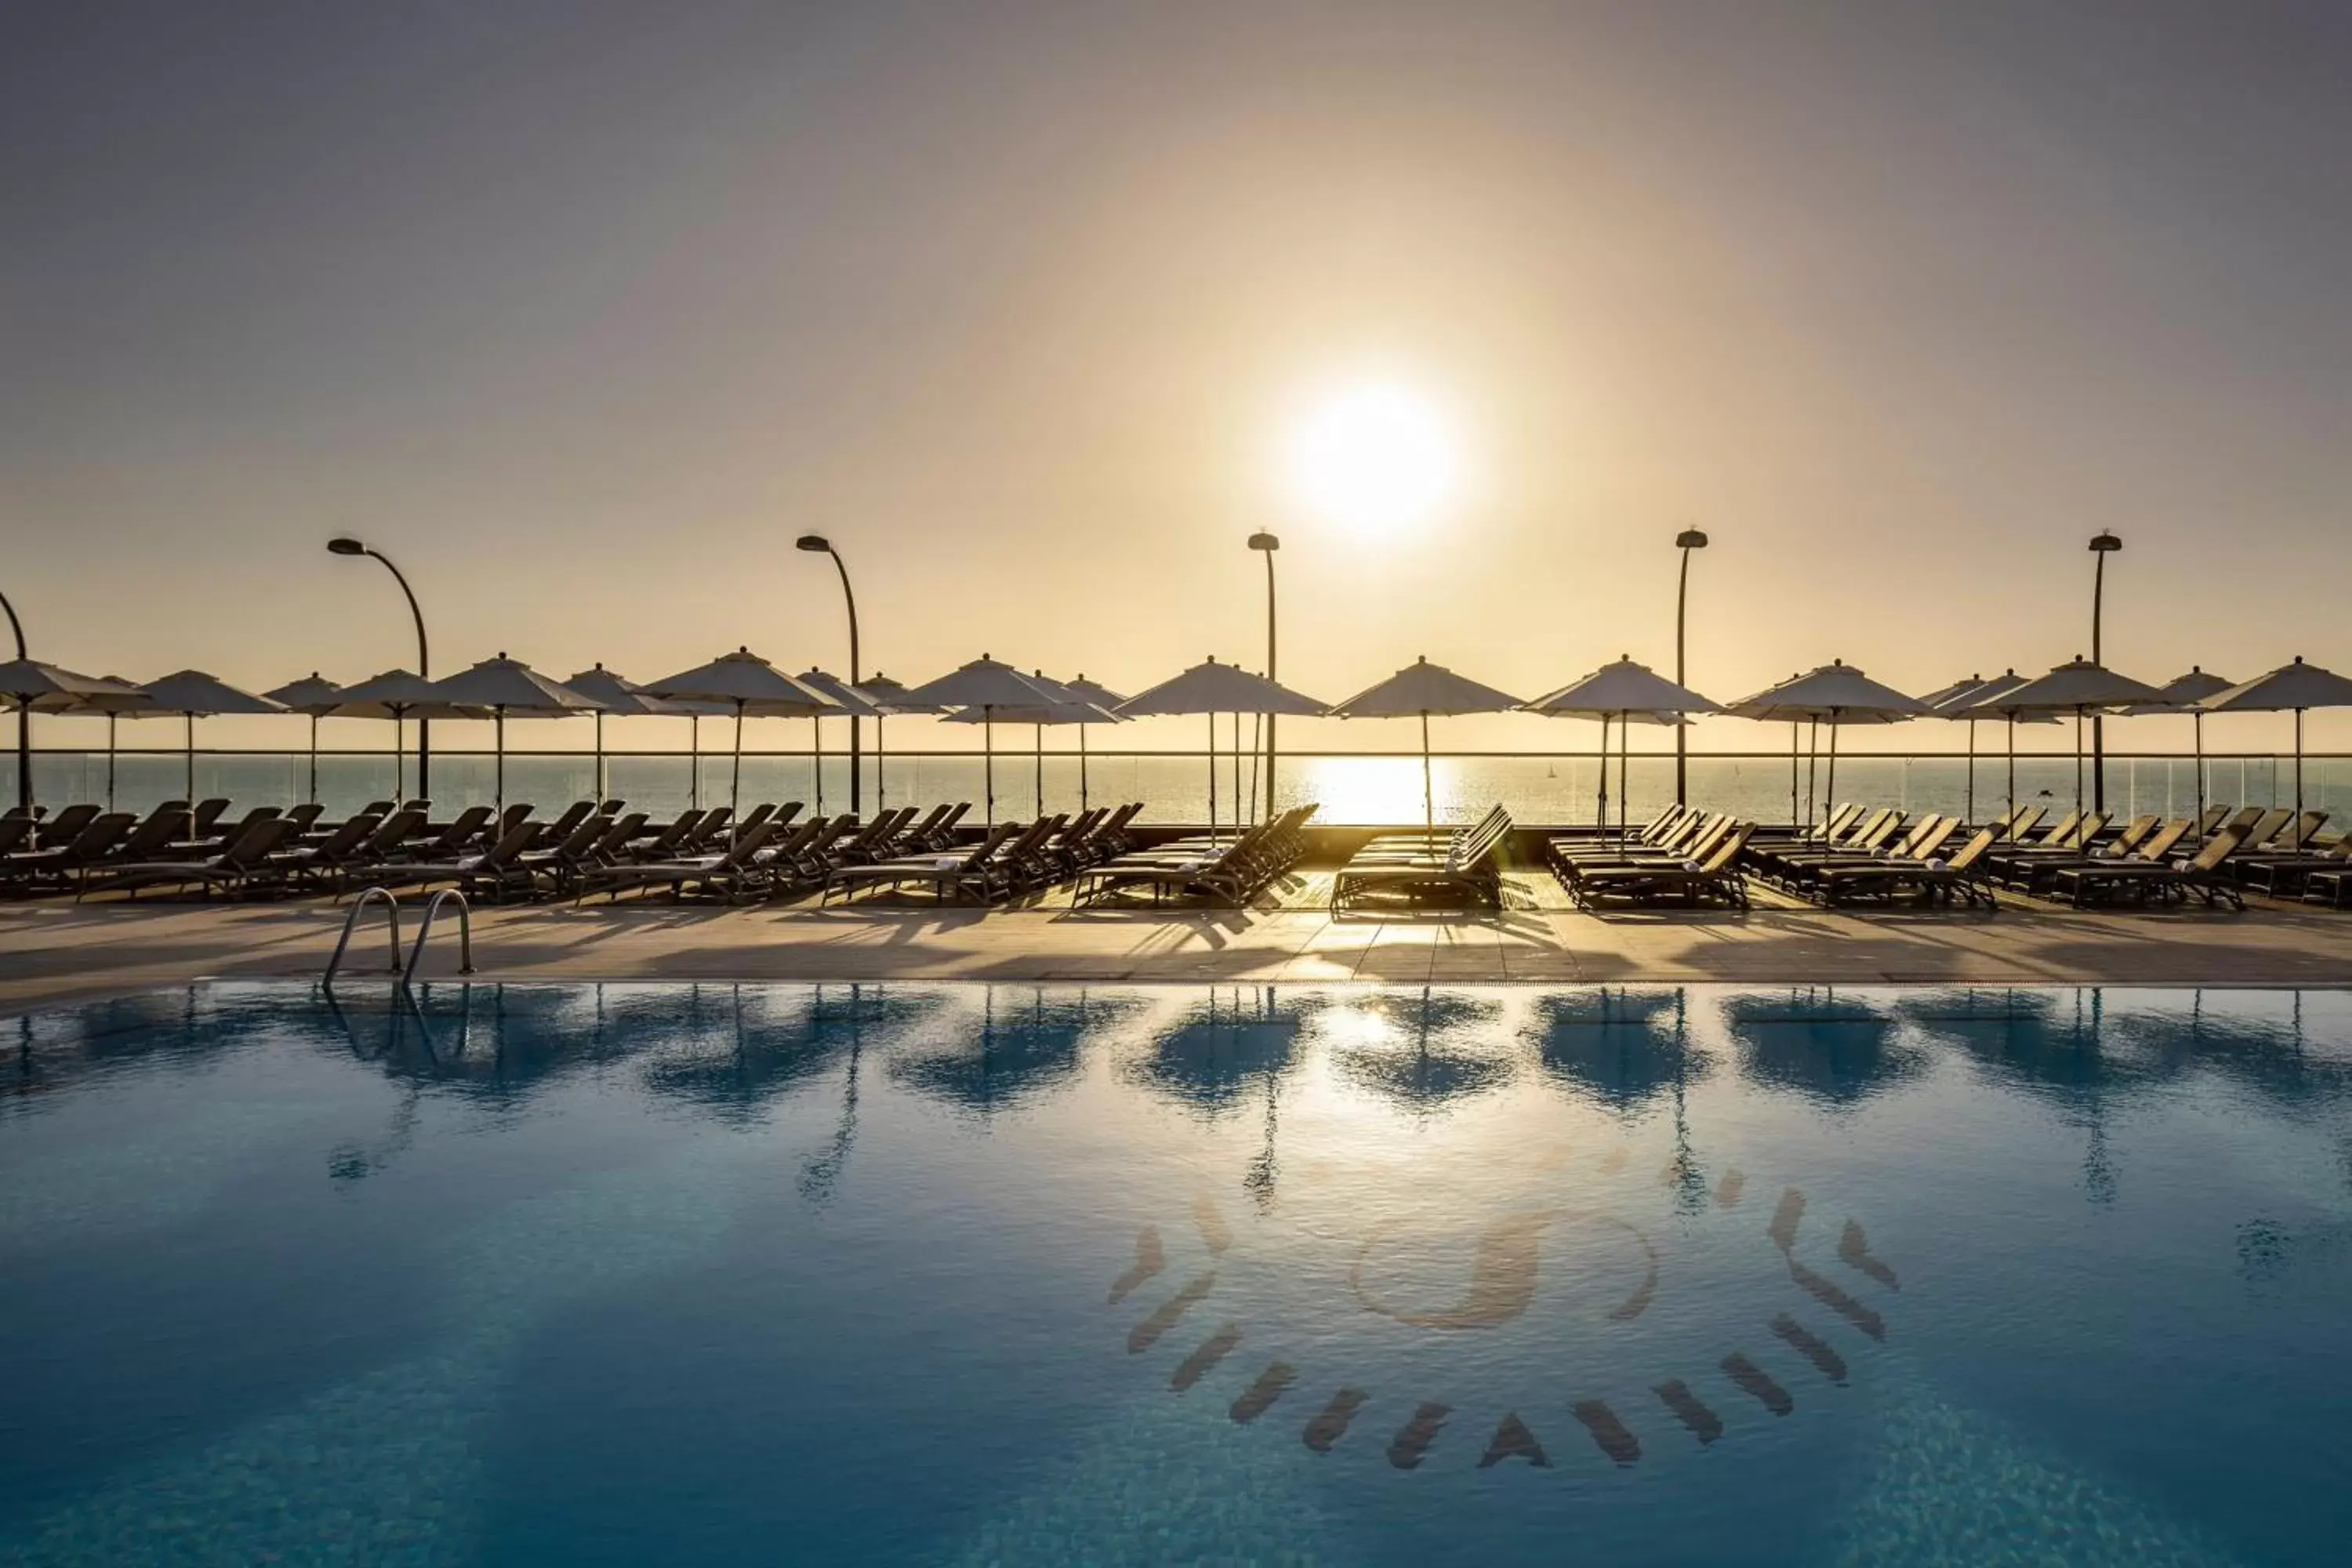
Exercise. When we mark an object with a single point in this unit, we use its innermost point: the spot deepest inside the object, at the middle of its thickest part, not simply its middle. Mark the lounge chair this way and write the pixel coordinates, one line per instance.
(1926, 877)
(2148, 879)
(34, 871)
(1716, 877)
(948, 874)
(2281, 875)
(731, 873)
(482, 872)
(1230, 873)
(242, 863)
(1469, 873)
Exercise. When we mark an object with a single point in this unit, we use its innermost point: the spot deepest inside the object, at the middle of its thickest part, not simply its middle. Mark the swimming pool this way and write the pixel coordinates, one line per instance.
(574, 1274)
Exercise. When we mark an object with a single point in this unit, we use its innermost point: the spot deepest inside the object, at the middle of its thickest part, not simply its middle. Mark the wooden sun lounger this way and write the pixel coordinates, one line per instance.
(1716, 877)
(1468, 875)
(2148, 879)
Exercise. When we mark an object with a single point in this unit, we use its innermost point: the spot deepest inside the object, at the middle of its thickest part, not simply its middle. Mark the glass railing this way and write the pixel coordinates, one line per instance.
(1354, 788)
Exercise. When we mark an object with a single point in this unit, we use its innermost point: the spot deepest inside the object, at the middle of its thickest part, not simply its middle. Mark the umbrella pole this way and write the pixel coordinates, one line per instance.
(2298, 770)
(879, 799)
(2012, 775)
(1428, 793)
(1082, 766)
(1257, 749)
(735, 787)
(1212, 778)
(2078, 762)
(1624, 747)
(1813, 763)
(2197, 722)
(399, 758)
(694, 763)
(109, 760)
(988, 762)
(1968, 814)
(191, 774)
(1795, 821)
(1041, 769)
(1237, 773)
(314, 761)
(816, 760)
(1600, 808)
(1830, 793)
(498, 776)
(598, 787)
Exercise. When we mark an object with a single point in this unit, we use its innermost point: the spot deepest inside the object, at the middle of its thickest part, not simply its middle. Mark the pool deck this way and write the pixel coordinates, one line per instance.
(56, 950)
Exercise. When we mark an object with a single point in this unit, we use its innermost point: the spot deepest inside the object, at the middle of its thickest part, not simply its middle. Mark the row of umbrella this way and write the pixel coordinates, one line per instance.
(987, 691)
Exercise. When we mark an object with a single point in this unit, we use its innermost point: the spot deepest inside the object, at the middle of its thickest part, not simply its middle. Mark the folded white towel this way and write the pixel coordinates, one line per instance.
(947, 862)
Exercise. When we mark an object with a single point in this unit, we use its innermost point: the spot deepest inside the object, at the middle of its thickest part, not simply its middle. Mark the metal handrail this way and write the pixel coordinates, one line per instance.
(391, 922)
(424, 929)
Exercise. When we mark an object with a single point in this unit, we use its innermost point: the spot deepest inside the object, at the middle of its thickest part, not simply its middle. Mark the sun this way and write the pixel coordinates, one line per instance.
(1375, 457)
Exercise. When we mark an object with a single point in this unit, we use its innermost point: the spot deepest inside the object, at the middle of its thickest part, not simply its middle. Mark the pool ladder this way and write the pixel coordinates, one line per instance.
(408, 971)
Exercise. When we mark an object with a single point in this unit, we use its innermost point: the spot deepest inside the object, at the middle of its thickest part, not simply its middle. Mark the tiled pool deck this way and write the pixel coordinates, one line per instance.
(52, 950)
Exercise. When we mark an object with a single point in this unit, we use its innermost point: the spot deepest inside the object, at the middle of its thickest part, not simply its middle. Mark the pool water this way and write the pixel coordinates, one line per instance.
(962, 1275)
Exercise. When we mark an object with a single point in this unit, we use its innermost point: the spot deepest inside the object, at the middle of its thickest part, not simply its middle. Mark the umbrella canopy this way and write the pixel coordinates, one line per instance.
(2183, 694)
(887, 696)
(191, 694)
(314, 695)
(1061, 706)
(748, 684)
(2290, 687)
(509, 688)
(890, 696)
(1419, 689)
(2077, 687)
(37, 687)
(608, 692)
(1093, 691)
(1955, 702)
(1837, 693)
(1213, 689)
(848, 699)
(117, 697)
(398, 696)
(1630, 694)
(986, 684)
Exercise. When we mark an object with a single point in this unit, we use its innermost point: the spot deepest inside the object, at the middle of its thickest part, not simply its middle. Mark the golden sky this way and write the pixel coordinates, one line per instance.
(584, 313)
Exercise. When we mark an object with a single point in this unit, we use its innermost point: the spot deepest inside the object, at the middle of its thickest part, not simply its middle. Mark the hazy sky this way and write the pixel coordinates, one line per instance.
(584, 312)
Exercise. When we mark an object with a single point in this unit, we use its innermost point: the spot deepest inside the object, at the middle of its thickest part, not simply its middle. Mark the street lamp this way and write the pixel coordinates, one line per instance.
(1266, 545)
(2102, 544)
(1688, 540)
(24, 721)
(345, 545)
(817, 544)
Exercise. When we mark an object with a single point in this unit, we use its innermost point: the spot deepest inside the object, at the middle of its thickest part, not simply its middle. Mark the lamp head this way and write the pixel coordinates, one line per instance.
(816, 543)
(2102, 542)
(1690, 538)
(345, 545)
(1263, 540)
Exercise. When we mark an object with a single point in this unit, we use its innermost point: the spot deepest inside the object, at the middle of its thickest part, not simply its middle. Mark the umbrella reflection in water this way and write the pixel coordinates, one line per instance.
(1425, 1051)
(1834, 1049)
(1223, 1050)
(1026, 1046)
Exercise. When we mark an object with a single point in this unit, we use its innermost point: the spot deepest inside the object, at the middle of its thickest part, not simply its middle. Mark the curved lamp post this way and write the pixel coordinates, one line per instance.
(2102, 544)
(345, 545)
(1688, 540)
(23, 724)
(1266, 545)
(817, 544)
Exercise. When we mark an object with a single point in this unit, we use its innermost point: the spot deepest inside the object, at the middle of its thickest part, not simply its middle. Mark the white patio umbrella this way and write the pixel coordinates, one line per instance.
(1419, 689)
(887, 696)
(849, 701)
(1984, 701)
(1836, 693)
(1210, 687)
(398, 696)
(2291, 688)
(509, 688)
(2077, 687)
(192, 694)
(987, 684)
(749, 685)
(2186, 694)
(314, 695)
(1104, 698)
(119, 697)
(1629, 693)
(1063, 707)
(37, 687)
(616, 694)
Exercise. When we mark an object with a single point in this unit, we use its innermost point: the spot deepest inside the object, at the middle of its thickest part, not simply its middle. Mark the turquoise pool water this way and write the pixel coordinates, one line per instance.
(960, 1275)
